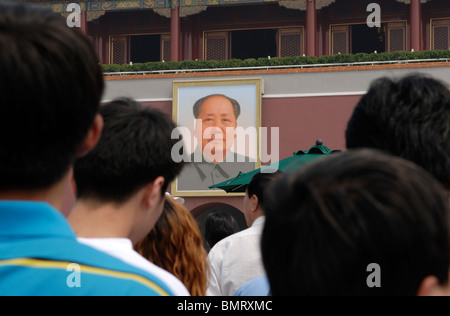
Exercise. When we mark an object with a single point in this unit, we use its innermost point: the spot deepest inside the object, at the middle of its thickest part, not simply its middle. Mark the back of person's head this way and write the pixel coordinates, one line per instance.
(219, 225)
(409, 118)
(134, 149)
(176, 245)
(259, 184)
(52, 86)
(326, 224)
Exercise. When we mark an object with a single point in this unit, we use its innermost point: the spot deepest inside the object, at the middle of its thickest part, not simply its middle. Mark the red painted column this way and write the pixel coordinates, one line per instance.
(186, 40)
(416, 25)
(84, 22)
(175, 34)
(311, 28)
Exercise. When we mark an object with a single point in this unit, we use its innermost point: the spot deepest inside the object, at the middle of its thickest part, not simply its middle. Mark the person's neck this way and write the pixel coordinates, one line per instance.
(259, 213)
(52, 195)
(90, 219)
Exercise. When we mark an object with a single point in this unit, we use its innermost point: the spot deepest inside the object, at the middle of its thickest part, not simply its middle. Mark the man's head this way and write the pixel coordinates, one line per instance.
(52, 85)
(133, 154)
(326, 224)
(218, 226)
(216, 120)
(409, 118)
(254, 200)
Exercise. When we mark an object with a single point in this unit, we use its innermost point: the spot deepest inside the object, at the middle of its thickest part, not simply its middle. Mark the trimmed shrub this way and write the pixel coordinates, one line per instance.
(277, 61)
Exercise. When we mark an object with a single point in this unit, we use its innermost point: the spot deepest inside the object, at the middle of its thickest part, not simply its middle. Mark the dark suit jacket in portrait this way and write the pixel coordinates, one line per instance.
(199, 176)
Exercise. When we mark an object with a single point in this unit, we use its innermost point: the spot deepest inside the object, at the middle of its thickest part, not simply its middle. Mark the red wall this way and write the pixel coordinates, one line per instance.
(304, 120)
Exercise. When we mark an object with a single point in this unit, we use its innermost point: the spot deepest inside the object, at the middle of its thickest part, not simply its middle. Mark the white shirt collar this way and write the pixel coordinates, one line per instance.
(259, 221)
(110, 243)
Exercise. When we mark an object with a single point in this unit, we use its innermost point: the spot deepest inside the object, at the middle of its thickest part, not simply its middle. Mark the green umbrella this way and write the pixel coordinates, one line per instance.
(291, 164)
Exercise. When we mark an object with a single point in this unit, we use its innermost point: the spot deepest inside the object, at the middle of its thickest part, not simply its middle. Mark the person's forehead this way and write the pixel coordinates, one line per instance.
(217, 104)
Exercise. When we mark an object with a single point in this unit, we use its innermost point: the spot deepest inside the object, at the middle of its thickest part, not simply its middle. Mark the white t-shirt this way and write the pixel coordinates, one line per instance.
(122, 248)
(236, 260)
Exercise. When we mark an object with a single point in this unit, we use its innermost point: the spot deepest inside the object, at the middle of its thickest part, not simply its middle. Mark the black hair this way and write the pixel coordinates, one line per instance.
(409, 118)
(259, 184)
(52, 86)
(326, 224)
(219, 225)
(235, 104)
(134, 149)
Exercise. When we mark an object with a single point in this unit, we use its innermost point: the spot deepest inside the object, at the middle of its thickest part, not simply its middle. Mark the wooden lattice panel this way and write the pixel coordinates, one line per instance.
(290, 42)
(441, 33)
(216, 46)
(396, 36)
(165, 47)
(340, 40)
(119, 50)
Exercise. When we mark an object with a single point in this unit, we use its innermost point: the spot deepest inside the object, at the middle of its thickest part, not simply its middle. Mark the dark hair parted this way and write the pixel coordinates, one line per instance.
(327, 223)
(235, 104)
(135, 149)
(218, 226)
(409, 118)
(52, 86)
(259, 184)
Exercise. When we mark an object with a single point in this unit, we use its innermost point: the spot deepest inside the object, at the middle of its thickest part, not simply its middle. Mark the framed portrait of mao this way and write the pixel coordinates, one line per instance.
(218, 130)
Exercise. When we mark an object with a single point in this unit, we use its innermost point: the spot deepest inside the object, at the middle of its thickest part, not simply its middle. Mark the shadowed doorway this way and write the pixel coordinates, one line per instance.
(253, 44)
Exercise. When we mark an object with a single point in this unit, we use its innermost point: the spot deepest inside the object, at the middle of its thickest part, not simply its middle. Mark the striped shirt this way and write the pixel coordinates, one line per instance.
(40, 256)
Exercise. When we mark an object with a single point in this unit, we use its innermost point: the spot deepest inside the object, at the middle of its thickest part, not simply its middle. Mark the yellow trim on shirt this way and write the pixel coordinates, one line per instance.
(50, 264)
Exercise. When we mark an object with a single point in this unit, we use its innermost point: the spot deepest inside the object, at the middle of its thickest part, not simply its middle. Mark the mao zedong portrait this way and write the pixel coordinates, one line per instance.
(213, 160)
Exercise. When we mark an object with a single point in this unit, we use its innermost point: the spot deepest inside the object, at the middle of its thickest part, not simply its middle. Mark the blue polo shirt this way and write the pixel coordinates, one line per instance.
(39, 255)
(256, 287)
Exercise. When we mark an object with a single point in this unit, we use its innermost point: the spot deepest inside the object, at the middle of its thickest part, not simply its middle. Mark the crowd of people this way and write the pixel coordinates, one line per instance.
(319, 231)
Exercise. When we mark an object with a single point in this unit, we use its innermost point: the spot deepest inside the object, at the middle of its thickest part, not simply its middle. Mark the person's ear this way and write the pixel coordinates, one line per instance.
(253, 203)
(153, 193)
(92, 137)
(430, 287)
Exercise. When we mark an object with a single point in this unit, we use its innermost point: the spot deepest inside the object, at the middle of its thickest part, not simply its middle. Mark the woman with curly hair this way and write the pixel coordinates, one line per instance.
(175, 244)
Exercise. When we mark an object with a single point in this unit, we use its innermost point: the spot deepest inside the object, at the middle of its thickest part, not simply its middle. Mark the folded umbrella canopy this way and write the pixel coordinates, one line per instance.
(291, 164)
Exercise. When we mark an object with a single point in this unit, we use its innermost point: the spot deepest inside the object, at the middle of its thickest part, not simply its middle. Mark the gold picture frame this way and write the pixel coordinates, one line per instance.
(201, 171)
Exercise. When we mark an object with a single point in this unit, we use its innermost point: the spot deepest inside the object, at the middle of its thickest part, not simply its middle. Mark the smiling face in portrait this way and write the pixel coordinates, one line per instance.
(218, 124)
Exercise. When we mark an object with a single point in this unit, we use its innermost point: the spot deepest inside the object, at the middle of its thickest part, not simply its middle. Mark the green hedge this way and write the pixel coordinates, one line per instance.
(276, 61)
